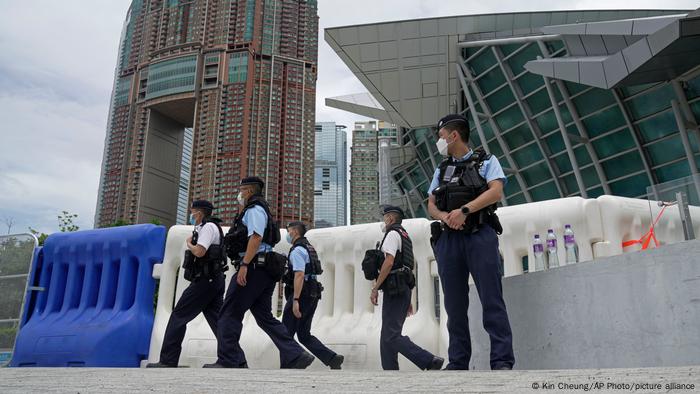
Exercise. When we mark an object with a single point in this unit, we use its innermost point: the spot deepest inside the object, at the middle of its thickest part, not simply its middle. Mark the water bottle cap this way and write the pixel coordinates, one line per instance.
(550, 231)
(567, 226)
(537, 235)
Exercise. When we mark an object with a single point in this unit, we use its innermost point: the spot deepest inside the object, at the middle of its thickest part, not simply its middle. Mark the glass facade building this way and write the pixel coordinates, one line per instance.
(558, 126)
(330, 177)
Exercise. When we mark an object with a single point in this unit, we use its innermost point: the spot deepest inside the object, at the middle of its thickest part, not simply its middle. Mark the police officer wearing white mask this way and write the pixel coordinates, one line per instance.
(396, 280)
(204, 265)
(463, 195)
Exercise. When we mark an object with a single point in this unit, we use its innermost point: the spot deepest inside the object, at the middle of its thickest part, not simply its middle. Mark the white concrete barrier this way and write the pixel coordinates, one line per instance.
(627, 219)
(521, 223)
(199, 345)
(345, 320)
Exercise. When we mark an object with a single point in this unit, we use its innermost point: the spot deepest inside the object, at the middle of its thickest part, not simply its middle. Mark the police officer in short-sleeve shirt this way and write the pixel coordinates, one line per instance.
(206, 291)
(463, 195)
(394, 281)
(251, 287)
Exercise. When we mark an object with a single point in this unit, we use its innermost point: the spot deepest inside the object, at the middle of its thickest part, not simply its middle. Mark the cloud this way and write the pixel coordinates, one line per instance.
(56, 70)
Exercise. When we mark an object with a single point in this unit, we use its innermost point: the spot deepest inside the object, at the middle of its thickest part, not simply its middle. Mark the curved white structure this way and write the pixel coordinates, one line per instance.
(627, 219)
(521, 223)
(345, 319)
(348, 323)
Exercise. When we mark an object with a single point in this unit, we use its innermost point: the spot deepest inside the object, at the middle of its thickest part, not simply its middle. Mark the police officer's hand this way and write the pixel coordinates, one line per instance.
(410, 310)
(374, 296)
(295, 310)
(189, 240)
(455, 219)
(240, 276)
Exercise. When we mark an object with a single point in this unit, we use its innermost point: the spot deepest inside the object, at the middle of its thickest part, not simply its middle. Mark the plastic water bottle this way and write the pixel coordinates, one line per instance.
(538, 250)
(552, 258)
(570, 245)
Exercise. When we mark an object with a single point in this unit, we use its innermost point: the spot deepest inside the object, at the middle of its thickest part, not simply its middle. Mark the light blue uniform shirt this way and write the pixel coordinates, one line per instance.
(255, 220)
(298, 259)
(490, 170)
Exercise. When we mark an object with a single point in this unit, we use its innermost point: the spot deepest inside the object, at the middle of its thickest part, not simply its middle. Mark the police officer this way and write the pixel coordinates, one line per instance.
(396, 280)
(251, 287)
(206, 290)
(303, 291)
(463, 196)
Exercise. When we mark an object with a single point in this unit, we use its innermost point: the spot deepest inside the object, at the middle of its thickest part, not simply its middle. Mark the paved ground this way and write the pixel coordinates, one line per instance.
(81, 380)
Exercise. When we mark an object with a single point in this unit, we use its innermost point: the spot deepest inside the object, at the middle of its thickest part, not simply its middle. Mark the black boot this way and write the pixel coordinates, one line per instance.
(336, 361)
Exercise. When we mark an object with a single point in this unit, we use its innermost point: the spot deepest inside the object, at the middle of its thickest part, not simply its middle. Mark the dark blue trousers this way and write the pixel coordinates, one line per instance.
(255, 296)
(458, 254)
(203, 296)
(302, 327)
(391, 342)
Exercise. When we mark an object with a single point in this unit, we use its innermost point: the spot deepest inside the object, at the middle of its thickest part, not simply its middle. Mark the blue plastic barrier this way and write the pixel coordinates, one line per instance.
(92, 303)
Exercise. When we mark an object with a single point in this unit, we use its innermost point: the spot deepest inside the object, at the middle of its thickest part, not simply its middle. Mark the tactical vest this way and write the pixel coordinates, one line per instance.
(237, 236)
(313, 267)
(312, 287)
(214, 260)
(404, 256)
(460, 183)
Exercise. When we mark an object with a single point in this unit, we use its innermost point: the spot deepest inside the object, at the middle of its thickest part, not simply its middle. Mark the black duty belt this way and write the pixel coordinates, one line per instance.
(258, 261)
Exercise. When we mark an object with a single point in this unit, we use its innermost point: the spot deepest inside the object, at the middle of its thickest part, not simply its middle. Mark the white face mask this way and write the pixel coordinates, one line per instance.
(192, 219)
(289, 238)
(442, 146)
(240, 198)
(382, 226)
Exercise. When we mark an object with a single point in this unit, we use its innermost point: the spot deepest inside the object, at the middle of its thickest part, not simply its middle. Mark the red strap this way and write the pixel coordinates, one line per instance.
(646, 238)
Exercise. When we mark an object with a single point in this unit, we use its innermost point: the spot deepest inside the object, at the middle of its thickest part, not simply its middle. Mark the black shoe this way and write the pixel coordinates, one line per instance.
(436, 364)
(336, 361)
(451, 367)
(303, 361)
(160, 365)
(215, 365)
(244, 365)
(503, 368)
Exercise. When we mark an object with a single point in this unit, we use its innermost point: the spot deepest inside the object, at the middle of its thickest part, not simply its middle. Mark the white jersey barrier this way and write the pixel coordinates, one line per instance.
(349, 324)
(345, 319)
(199, 344)
(629, 219)
(521, 223)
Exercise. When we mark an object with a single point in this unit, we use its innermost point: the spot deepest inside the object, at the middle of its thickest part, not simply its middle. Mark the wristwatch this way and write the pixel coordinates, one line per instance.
(465, 210)
(244, 264)
(296, 299)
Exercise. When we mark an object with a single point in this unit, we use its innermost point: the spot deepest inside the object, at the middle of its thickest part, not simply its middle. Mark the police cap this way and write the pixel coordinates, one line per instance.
(452, 118)
(202, 204)
(392, 208)
(252, 180)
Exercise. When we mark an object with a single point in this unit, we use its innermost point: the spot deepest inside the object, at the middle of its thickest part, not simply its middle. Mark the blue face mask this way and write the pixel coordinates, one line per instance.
(289, 238)
(192, 221)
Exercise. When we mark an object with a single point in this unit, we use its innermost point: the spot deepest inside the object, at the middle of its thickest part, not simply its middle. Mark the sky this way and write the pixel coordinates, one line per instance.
(57, 61)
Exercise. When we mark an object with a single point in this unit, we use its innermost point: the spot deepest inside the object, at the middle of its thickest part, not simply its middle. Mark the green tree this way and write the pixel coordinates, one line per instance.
(65, 222)
(15, 257)
(40, 236)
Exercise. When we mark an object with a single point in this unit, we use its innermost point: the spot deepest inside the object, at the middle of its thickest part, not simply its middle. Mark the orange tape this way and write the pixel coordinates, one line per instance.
(646, 238)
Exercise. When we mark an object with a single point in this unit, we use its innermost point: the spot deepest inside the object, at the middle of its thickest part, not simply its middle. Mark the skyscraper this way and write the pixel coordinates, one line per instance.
(330, 180)
(364, 190)
(387, 139)
(242, 75)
